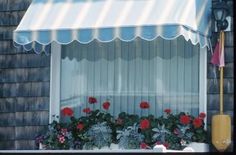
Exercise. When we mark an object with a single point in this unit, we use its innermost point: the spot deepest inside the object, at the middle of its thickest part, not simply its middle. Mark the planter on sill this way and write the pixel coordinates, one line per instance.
(192, 147)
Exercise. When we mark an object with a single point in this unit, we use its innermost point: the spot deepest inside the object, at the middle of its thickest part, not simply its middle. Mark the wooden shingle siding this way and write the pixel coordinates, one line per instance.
(24, 75)
(7, 119)
(31, 118)
(24, 84)
(14, 5)
(25, 145)
(25, 60)
(7, 144)
(11, 18)
(24, 104)
(7, 47)
(212, 72)
(7, 133)
(31, 89)
(6, 32)
(213, 102)
(7, 104)
(25, 132)
(214, 84)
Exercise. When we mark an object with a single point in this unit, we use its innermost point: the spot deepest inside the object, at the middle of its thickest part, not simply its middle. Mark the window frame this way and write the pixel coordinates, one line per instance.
(55, 75)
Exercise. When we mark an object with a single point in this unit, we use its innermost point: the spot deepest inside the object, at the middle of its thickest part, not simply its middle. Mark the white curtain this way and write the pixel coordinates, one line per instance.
(164, 73)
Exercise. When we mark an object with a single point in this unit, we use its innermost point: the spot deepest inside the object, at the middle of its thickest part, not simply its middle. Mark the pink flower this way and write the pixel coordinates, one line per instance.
(63, 131)
(61, 139)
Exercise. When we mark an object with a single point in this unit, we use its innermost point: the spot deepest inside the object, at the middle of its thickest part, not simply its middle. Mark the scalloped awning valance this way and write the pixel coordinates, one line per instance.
(64, 21)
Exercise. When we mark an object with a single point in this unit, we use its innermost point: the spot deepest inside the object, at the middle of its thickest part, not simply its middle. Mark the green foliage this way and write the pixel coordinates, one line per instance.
(129, 138)
(101, 129)
(99, 135)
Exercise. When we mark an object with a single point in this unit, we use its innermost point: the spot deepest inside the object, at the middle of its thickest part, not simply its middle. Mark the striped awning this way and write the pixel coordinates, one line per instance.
(64, 21)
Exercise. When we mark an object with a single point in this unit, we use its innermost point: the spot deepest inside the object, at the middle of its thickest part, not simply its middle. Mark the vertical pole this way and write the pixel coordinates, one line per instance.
(221, 89)
(221, 72)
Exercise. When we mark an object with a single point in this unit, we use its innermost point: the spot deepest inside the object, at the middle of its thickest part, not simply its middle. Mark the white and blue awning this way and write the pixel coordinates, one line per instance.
(64, 21)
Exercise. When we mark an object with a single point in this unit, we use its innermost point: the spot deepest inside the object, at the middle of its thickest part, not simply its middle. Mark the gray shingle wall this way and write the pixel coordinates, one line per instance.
(24, 84)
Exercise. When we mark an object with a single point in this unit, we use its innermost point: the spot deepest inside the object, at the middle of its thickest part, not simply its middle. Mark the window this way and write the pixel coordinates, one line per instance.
(165, 73)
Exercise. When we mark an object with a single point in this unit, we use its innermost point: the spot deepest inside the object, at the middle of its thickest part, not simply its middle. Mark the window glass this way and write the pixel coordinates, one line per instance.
(162, 72)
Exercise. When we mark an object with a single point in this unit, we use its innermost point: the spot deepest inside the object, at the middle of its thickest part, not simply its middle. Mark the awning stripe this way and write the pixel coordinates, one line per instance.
(64, 21)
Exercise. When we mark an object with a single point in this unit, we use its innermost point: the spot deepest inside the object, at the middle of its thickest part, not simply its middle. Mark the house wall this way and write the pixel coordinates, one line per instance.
(24, 84)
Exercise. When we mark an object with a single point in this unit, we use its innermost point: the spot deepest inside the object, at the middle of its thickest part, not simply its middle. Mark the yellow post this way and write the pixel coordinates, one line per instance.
(221, 73)
(221, 123)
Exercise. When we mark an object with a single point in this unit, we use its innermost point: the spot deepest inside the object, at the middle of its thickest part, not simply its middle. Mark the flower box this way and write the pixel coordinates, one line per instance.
(126, 132)
(192, 147)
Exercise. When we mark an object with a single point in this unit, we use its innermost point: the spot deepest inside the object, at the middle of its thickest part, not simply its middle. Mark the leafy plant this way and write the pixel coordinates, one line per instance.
(99, 135)
(129, 138)
(160, 133)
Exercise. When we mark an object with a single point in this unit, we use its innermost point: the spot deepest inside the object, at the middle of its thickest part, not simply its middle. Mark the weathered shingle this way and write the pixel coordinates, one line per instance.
(32, 118)
(11, 18)
(7, 104)
(24, 61)
(7, 133)
(7, 144)
(29, 132)
(14, 5)
(24, 75)
(7, 119)
(31, 103)
(25, 145)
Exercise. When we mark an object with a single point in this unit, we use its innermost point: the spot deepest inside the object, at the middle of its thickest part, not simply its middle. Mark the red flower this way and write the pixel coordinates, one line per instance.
(144, 124)
(143, 145)
(67, 111)
(144, 105)
(202, 115)
(197, 122)
(92, 100)
(166, 144)
(87, 110)
(80, 126)
(184, 119)
(106, 105)
(168, 111)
